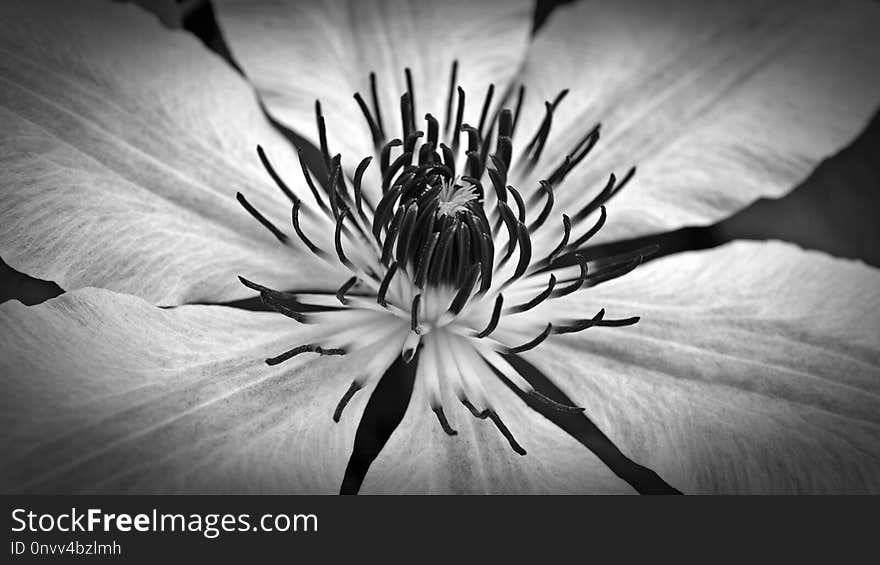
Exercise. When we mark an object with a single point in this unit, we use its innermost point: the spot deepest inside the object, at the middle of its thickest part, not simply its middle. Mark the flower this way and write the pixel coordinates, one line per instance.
(754, 366)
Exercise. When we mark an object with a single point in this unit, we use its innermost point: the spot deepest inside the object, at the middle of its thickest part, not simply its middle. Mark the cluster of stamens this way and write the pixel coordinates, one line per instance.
(441, 254)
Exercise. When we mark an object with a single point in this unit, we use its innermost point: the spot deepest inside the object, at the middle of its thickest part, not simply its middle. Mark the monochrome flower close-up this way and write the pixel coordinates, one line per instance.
(391, 246)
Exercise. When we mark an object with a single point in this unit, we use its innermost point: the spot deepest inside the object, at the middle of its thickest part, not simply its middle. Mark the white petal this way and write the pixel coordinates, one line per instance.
(296, 52)
(717, 103)
(755, 368)
(420, 458)
(103, 392)
(123, 147)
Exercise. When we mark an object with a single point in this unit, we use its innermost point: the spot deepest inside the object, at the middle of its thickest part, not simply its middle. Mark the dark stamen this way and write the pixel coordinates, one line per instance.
(578, 282)
(383, 287)
(294, 215)
(412, 94)
(579, 325)
(506, 433)
(592, 231)
(444, 423)
(533, 343)
(281, 302)
(620, 323)
(309, 348)
(261, 218)
(322, 134)
(414, 315)
(340, 294)
(541, 297)
(486, 104)
(374, 128)
(376, 104)
(307, 175)
(459, 116)
(493, 322)
(271, 170)
(346, 398)
(452, 84)
(473, 409)
(337, 238)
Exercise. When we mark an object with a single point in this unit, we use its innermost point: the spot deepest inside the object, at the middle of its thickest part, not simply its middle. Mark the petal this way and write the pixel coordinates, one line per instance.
(296, 52)
(124, 145)
(755, 368)
(104, 392)
(420, 458)
(717, 103)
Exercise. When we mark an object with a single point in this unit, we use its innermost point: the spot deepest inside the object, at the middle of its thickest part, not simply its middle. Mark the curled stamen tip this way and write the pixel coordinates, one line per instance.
(410, 347)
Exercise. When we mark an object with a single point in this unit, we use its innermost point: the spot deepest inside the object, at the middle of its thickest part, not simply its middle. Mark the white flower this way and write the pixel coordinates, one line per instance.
(755, 367)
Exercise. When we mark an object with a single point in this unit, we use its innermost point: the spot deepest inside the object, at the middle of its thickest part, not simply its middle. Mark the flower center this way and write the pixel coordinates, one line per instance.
(417, 243)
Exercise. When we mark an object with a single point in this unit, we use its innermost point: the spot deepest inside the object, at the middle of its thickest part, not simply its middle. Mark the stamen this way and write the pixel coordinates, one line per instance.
(459, 116)
(276, 300)
(412, 94)
(518, 107)
(452, 84)
(309, 348)
(578, 282)
(271, 170)
(383, 286)
(414, 315)
(294, 215)
(322, 134)
(541, 297)
(310, 182)
(346, 398)
(376, 104)
(520, 205)
(592, 231)
(486, 104)
(340, 294)
(566, 232)
(547, 188)
(279, 235)
(464, 291)
(374, 128)
(444, 423)
(473, 409)
(620, 323)
(337, 238)
(533, 343)
(581, 325)
(506, 433)
(493, 321)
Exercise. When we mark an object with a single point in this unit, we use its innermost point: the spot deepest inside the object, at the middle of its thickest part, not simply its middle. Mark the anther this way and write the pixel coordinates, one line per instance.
(376, 104)
(309, 348)
(506, 433)
(603, 215)
(340, 294)
(547, 188)
(493, 321)
(533, 343)
(279, 235)
(322, 134)
(337, 238)
(620, 323)
(578, 283)
(346, 398)
(383, 286)
(486, 104)
(580, 325)
(281, 302)
(294, 216)
(473, 409)
(414, 315)
(374, 128)
(307, 175)
(452, 84)
(271, 170)
(444, 423)
(541, 297)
